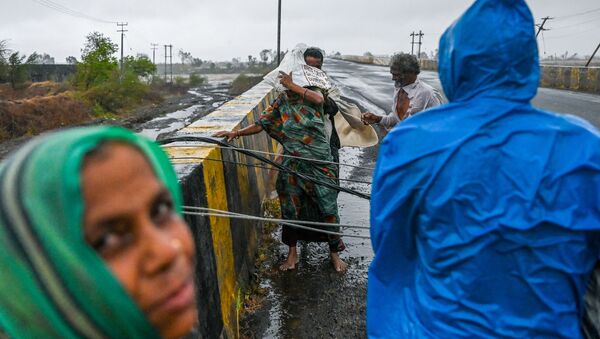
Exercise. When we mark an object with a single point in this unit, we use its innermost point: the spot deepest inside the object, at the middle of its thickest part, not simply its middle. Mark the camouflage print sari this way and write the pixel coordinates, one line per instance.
(299, 126)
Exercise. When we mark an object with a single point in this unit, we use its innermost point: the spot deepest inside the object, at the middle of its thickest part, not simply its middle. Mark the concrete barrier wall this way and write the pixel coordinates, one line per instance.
(211, 177)
(579, 79)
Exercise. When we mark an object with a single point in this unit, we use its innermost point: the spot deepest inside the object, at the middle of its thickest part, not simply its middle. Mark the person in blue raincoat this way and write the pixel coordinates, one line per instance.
(485, 212)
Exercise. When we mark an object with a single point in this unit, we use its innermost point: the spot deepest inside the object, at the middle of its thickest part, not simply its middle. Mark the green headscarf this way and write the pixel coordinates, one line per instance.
(52, 283)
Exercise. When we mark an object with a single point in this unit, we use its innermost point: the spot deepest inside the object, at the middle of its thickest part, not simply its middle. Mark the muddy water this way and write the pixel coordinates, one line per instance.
(206, 99)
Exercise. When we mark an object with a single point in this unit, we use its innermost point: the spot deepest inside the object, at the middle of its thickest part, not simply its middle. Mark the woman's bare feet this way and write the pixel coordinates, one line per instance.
(338, 264)
(290, 262)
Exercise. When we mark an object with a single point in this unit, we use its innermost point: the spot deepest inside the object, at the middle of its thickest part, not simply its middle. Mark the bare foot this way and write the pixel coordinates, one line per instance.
(338, 264)
(290, 262)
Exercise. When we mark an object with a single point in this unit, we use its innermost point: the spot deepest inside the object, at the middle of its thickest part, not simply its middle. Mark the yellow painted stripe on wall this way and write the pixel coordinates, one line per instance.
(214, 181)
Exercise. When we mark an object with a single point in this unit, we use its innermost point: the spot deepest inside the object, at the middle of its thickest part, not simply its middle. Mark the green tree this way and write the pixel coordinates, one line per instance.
(16, 69)
(4, 53)
(141, 65)
(186, 57)
(71, 60)
(98, 62)
(197, 62)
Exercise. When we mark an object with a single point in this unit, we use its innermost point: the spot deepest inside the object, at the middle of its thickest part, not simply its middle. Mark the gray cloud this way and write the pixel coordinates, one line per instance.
(220, 30)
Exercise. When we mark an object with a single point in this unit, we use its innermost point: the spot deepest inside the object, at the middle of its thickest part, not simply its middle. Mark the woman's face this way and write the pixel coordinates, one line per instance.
(130, 221)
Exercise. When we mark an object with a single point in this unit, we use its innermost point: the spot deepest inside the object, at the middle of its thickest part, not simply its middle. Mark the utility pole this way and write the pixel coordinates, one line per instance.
(171, 61)
(154, 48)
(166, 46)
(279, 34)
(420, 43)
(541, 26)
(122, 31)
(412, 44)
(593, 55)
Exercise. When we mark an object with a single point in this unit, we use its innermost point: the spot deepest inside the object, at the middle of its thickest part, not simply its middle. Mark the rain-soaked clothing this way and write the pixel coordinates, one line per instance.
(485, 212)
(298, 126)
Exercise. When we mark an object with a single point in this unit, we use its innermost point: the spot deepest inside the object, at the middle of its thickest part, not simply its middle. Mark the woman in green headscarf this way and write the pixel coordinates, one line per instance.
(92, 242)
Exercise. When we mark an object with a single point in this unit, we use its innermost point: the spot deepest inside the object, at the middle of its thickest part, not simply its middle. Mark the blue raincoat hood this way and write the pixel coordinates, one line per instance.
(490, 51)
(485, 212)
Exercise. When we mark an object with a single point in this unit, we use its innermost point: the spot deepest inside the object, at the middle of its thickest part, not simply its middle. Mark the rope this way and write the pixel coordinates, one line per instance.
(266, 160)
(293, 157)
(314, 223)
(249, 217)
(259, 166)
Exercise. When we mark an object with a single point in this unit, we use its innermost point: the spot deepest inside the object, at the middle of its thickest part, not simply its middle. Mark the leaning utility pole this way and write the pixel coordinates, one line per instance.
(420, 43)
(279, 34)
(122, 31)
(166, 46)
(593, 55)
(171, 61)
(412, 44)
(541, 26)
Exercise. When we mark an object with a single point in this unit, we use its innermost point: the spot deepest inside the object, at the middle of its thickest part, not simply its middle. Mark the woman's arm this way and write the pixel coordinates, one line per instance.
(312, 96)
(249, 130)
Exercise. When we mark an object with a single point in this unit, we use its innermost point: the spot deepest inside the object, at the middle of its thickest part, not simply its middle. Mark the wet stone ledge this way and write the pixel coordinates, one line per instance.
(217, 178)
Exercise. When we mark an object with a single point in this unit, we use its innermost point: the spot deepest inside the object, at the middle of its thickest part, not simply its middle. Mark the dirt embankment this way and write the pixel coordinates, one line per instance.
(37, 108)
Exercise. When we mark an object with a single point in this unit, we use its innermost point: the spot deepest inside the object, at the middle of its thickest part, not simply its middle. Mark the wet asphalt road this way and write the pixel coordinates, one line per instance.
(314, 301)
(372, 87)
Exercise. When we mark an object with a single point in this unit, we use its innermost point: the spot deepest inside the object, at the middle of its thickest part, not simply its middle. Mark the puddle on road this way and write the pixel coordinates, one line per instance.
(314, 301)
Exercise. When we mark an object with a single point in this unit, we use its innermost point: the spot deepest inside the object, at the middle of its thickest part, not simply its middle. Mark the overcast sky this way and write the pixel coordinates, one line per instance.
(223, 29)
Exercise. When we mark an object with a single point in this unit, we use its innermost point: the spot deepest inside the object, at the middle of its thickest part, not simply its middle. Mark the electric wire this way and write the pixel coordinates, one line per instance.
(303, 222)
(65, 10)
(263, 167)
(293, 157)
(286, 223)
(572, 34)
(578, 14)
(265, 160)
(575, 24)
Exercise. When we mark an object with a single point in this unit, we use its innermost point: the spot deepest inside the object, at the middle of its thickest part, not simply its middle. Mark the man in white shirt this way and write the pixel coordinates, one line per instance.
(411, 95)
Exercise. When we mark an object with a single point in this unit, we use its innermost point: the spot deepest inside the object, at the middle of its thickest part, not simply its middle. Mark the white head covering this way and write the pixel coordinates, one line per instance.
(348, 124)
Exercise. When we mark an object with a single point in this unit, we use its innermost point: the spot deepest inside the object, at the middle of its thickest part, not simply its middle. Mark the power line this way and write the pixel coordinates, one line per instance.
(261, 166)
(576, 24)
(65, 10)
(290, 223)
(304, 222)
(300, 175)
(316, 161)
(579, 14)
(572, 34)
